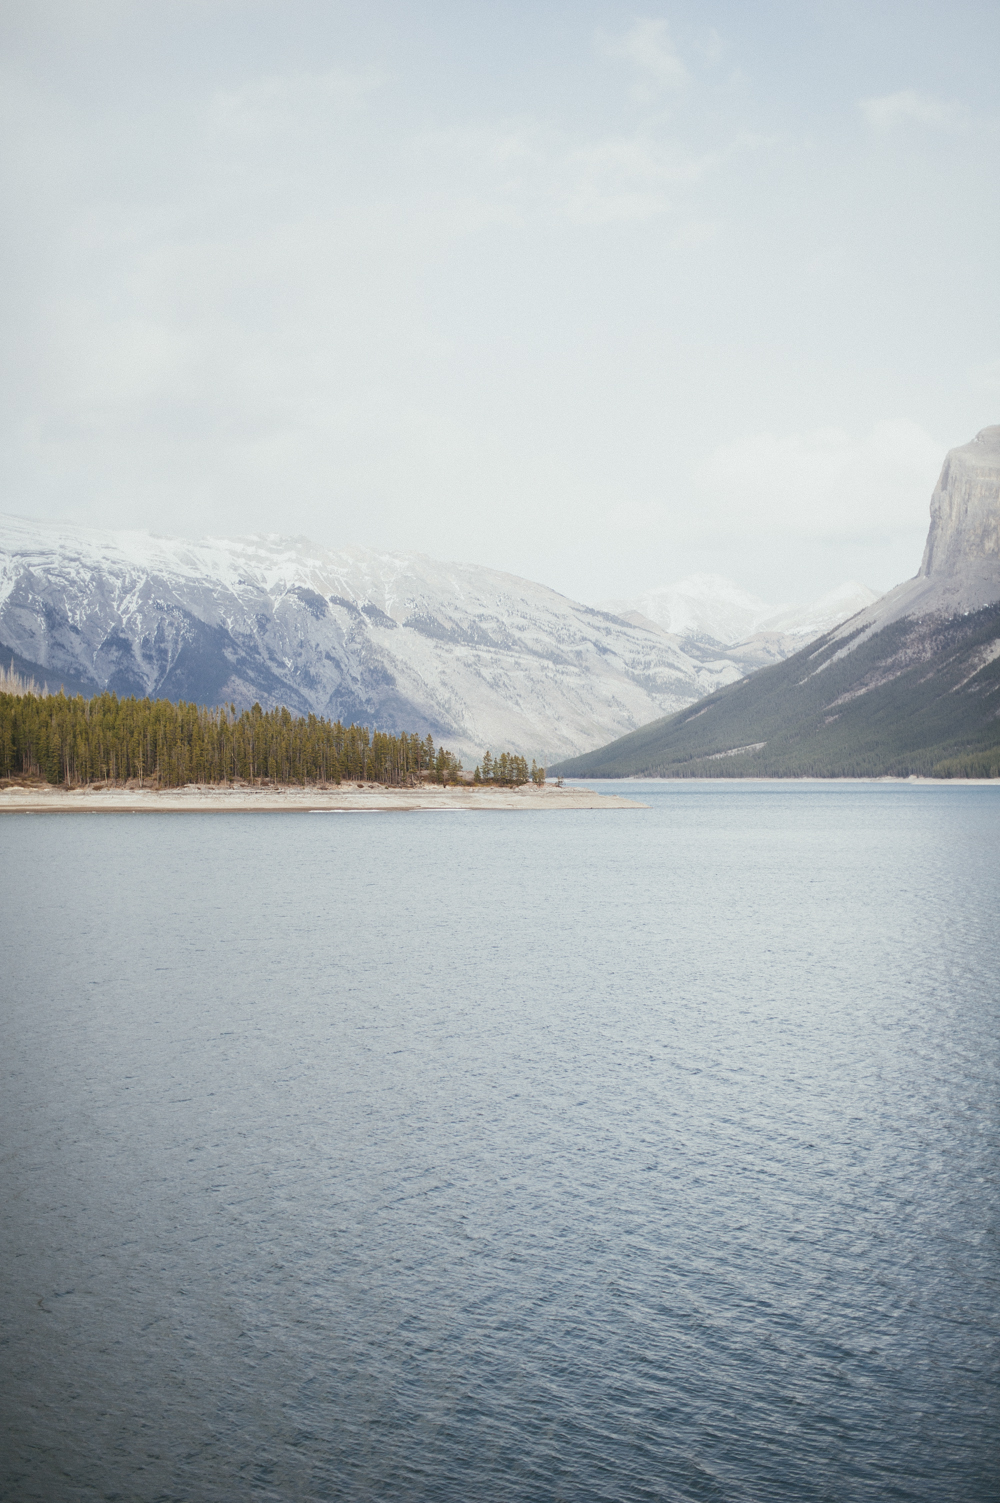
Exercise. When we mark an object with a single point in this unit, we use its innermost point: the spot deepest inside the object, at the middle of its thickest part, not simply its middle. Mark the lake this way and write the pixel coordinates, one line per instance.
(528, 1156)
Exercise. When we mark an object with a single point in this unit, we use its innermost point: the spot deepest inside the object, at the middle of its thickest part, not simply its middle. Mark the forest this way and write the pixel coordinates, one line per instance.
(105, 739)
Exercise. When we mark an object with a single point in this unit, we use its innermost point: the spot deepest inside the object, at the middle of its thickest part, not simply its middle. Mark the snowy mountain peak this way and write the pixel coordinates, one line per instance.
(709, 609)
(477, 657)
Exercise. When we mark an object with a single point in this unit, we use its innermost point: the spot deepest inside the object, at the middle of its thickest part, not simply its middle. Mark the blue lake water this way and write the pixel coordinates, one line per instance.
(527, 1156)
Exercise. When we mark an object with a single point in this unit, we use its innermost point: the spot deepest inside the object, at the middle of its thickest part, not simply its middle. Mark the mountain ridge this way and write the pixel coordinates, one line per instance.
(474, 656)
(712, 609)
(910, 684)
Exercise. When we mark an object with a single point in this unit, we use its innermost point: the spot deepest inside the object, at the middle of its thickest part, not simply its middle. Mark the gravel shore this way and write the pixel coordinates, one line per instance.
(349, 798)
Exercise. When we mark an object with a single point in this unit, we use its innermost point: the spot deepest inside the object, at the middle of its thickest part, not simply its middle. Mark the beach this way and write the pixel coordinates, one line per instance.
(348, 798)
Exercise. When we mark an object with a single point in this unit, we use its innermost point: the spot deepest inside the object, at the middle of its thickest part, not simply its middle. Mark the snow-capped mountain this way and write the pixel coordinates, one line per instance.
(712, 610)
(478, 658)
(701, 608)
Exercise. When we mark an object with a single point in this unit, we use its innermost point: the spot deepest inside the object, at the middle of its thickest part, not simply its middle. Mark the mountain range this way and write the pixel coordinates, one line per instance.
(714, 612)
(910, 684)
(476, 657)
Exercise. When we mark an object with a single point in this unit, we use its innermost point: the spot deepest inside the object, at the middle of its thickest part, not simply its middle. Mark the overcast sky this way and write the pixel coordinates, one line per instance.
(597, 293)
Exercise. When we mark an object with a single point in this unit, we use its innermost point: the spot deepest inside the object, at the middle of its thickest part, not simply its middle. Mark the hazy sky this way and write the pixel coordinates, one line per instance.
(594, 292)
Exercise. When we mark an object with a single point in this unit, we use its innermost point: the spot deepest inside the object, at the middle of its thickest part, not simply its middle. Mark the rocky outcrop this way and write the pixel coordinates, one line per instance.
(965, 508)
(960, 571)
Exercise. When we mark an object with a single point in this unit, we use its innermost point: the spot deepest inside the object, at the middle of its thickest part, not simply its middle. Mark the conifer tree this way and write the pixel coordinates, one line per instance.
(107, 739)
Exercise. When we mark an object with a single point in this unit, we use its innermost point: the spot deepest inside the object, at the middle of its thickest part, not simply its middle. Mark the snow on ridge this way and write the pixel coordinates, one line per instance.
(710, 608)
(273, 562)
(477, 656)
(824, 614)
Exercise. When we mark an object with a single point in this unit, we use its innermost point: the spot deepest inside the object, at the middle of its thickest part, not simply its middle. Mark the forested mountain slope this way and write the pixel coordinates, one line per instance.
(909, 685)
(909, 697)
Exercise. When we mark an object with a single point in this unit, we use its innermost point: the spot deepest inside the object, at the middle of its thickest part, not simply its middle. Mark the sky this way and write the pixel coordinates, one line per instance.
(596, 293)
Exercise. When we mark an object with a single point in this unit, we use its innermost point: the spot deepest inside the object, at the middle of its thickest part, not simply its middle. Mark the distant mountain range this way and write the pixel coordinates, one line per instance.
(714, 612)
(911, 684)
(476, 657)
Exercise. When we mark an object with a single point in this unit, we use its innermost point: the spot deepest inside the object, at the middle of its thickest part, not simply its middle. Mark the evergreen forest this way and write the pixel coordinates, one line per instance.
(73, 741)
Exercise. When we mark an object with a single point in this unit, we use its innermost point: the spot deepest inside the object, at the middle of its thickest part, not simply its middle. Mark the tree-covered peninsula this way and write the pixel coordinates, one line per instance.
(105, 739)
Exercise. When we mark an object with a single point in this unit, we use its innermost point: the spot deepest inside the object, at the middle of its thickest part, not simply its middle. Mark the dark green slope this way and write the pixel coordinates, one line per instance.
(919, 696)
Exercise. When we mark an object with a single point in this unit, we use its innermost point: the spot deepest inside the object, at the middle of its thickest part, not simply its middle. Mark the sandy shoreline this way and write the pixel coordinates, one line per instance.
(348, 799)
(371, 798)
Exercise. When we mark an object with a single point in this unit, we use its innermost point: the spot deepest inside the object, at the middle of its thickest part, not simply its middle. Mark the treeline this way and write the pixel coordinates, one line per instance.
(110, 740)
(881, 760)
(976, 764)
(508, 771)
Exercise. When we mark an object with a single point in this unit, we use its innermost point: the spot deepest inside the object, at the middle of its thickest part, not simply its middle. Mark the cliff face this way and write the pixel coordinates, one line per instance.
(910, 684)
(965, 508)
(960, 571)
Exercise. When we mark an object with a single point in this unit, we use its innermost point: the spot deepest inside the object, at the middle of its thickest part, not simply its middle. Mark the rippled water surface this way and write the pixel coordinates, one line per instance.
(527, 1156)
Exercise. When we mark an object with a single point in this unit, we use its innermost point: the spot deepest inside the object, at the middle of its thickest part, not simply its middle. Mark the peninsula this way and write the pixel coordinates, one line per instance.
(348, 798)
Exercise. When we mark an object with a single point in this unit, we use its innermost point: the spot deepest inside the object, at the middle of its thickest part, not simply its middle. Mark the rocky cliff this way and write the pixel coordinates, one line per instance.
(960, 571)
(909, 685)
(965, 509)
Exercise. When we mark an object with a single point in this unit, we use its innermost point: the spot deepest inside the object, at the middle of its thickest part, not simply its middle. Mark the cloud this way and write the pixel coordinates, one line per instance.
(521, 171)
(649, 49)
(825, 485)
(282, 100)
(627, 179)
(908, 107)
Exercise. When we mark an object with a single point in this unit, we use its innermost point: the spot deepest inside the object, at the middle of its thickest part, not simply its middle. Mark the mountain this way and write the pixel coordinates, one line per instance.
(803, 623)
(911, 684)
(711, 611)
(702, 608)
(475, 657)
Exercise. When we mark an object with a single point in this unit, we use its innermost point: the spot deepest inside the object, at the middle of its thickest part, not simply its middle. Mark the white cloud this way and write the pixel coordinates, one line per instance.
(826, 485)
(908, 107)
(287, 274)
(627, 179)
(522, 170)
(275, 102)
(648, 47)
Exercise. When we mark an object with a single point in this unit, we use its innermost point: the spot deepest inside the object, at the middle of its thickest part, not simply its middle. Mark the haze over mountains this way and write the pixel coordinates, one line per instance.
(910, 684)
(715, 612)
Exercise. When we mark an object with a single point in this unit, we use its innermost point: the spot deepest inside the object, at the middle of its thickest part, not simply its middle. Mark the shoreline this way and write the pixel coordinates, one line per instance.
(913, 779)
(205, 798)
